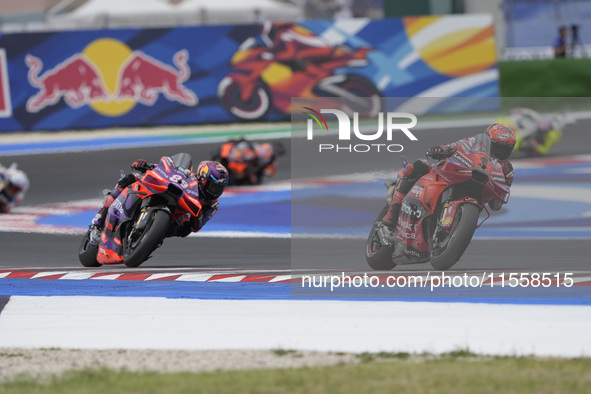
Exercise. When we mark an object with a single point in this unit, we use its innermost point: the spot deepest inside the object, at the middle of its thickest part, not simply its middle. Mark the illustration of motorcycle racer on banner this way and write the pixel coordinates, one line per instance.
(288, 60)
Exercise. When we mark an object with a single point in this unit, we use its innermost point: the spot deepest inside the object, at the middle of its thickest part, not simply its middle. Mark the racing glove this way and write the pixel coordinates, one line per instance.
(438, 152)
(141, 165)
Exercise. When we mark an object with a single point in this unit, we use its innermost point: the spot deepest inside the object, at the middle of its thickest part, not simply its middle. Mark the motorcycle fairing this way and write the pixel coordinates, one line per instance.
(120, 211)
(151, 183)
(417, 206)
(410, 243)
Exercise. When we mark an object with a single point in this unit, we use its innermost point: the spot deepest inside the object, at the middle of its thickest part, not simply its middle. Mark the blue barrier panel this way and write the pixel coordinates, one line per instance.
(225, 73)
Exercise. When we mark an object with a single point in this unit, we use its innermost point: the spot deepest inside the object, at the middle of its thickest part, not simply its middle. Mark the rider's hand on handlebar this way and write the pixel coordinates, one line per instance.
(438, 152)
(141, 165)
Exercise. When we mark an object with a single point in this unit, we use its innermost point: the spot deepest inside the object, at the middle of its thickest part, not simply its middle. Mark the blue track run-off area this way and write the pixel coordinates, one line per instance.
(283, 291)
(548, 201)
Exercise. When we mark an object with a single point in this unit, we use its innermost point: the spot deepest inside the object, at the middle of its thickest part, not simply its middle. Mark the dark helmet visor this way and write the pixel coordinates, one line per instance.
(501, 151)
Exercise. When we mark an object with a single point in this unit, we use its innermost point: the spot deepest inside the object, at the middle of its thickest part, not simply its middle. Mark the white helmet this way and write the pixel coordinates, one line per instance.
(16, 179)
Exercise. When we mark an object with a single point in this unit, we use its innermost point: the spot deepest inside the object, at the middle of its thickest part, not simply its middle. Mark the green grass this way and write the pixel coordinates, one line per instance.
(436, 374)
(370, 357)
(286, 352)
(546, 78)
(546, 85)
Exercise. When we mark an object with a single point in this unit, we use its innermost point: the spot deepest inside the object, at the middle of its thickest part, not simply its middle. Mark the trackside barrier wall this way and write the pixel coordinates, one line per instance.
(227, 73)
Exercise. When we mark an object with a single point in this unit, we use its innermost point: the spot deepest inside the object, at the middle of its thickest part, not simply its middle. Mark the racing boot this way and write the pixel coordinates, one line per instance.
(98, 222)
(412, 173)
(390, 220)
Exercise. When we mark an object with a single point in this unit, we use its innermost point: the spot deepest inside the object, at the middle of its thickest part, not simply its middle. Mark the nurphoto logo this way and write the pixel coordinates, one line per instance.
(395, 122)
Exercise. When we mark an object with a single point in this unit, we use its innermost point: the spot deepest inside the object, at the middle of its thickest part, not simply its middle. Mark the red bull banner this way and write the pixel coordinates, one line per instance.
(215, 74)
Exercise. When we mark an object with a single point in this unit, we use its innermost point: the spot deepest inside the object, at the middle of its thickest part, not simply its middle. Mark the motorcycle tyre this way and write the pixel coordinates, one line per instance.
(87, 252)
(381, 259)
(461, 234)
(353, 83)
(151, 237)
(235, 106)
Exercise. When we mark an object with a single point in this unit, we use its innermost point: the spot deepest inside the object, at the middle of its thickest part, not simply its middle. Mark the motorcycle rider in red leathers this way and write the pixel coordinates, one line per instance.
(502, 140)
(212, 179)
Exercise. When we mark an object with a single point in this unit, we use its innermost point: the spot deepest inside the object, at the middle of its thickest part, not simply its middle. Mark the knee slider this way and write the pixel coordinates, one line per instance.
(126, 180)
(420, 169)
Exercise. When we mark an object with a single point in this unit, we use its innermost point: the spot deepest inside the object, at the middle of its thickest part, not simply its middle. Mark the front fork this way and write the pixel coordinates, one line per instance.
(449, 209)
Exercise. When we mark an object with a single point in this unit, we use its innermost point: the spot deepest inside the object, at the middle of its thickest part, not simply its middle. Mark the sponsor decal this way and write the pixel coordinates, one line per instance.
(407, 235)
(417, 190)
(117, 205)
(462, 160)
(410, 211)
(407, 225)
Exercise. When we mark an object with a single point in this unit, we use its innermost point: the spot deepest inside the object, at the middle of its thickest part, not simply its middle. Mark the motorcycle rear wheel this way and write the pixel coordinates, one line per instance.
(87, 252)
(458, 238)
(371, 98)
(378, 256)
(255, 107)
(141, 248)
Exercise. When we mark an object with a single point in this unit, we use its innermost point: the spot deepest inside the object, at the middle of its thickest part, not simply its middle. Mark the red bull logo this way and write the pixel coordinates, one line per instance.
(143, 77)
(110, 78)
(76, 80)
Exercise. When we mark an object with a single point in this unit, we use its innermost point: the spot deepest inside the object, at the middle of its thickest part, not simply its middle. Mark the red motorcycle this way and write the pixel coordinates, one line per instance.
(259, 82)
(439, 215)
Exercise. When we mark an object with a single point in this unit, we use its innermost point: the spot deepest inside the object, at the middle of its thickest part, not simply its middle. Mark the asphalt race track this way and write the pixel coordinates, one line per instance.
(61, 177)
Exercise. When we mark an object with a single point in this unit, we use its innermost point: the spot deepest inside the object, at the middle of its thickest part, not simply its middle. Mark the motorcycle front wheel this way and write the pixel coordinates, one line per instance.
(378, 256)
(448, 250)
(140, 246)
(87, 252)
